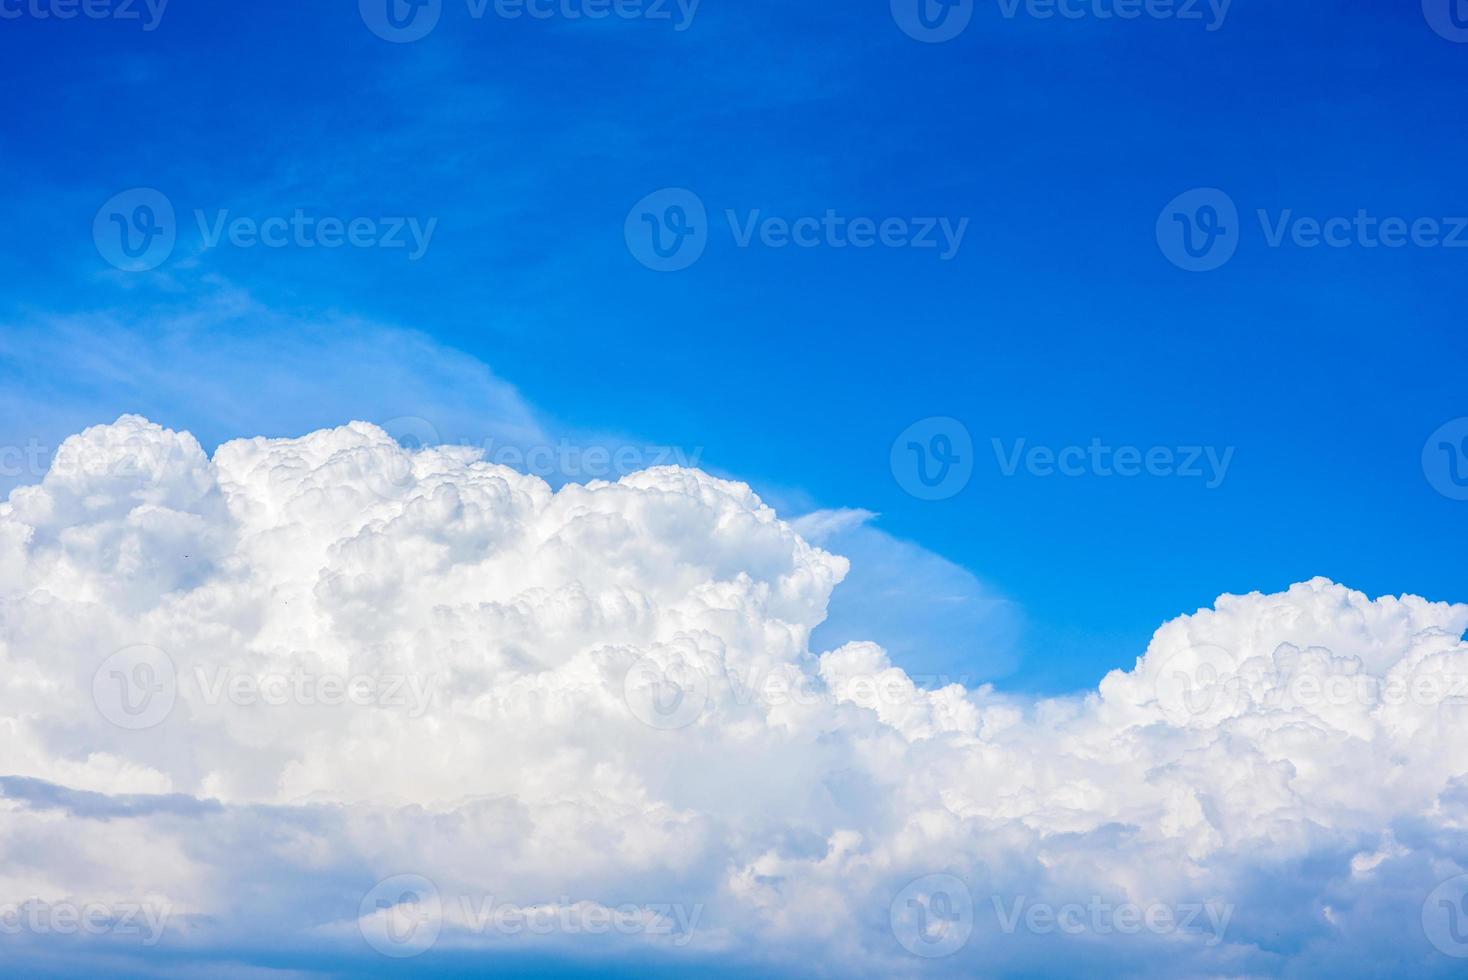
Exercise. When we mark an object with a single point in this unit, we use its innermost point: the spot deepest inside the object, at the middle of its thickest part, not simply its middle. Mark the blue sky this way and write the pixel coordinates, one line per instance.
(1059, 320)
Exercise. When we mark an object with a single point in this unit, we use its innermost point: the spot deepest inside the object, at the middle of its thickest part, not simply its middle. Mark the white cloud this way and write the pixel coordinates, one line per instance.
(374, 663)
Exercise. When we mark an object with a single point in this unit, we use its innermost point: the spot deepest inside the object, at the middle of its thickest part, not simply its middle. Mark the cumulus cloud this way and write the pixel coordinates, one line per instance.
(356, 704)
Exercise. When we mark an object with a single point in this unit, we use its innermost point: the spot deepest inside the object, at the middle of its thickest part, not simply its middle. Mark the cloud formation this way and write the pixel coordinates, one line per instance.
(330, 694)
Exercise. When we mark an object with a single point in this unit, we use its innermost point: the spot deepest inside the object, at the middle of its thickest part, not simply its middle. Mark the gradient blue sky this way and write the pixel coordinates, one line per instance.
(1059, 320)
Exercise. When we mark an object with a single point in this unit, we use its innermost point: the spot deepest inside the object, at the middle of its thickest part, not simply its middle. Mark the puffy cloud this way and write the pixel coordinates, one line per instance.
(368, 702)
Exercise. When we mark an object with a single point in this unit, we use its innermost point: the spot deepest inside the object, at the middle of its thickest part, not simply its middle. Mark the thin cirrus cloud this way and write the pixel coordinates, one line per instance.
(936, 618)
(386, 706)
(199, 364)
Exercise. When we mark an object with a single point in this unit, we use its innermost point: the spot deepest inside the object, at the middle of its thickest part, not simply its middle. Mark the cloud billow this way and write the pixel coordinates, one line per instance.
(336, 692)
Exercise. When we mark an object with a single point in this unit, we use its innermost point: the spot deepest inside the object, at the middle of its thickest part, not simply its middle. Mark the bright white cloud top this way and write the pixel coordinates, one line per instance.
(329, 694)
